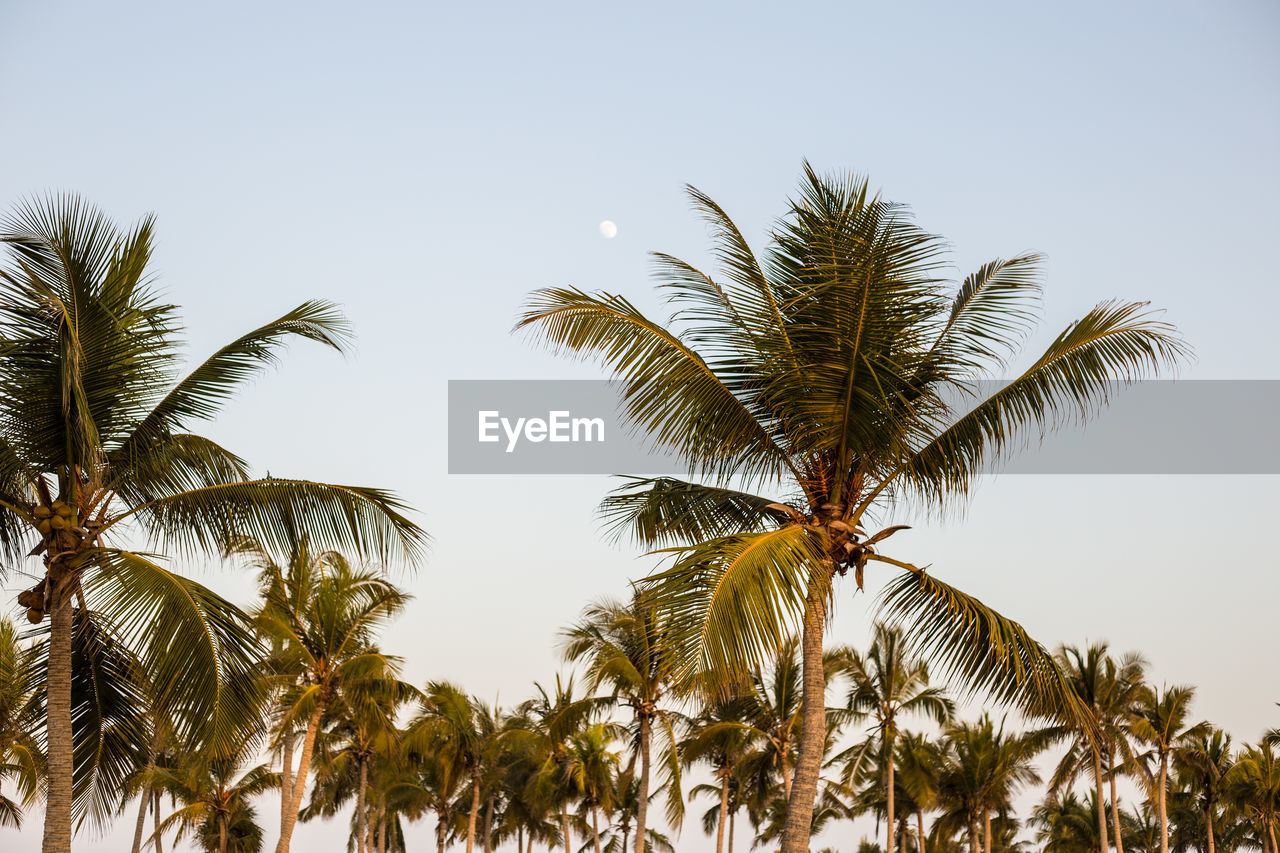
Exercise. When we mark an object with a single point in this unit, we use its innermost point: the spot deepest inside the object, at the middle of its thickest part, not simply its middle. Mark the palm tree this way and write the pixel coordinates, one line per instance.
(20, 756)
(1201, 765)
(1065, 824)
(215, 801)
(1105, 690)
(1253, 786)
(625, 649)
(463, 731)
(717, 737)
(825, 375)
(1159, 720)
(591, 767)
(328, 630)
(984, 768)
(887, 685)
(919, 763)
(95, 440)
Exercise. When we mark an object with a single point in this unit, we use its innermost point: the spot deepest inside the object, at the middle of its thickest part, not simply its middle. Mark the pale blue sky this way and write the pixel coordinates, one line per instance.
(427, 167)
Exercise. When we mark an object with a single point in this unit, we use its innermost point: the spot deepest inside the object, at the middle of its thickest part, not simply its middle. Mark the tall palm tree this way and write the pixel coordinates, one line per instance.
(1253, 786)
(94, 440)
(887, 685)
(717, 738)
(827, 375)
(591, 766)
(215, 797)
(1200, 765)
(1159, 721)
(919, 765)
(1105, 690)
(985, 766)
(21, 758)
(463, 730)
(1065, 824)
(329, 631)
(625, 649)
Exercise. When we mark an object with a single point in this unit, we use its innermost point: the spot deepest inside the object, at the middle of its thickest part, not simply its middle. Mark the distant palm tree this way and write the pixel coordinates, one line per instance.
(1066, 824)
(21, 758)
(326, 624)
(591, 766)
(827, 375)
(1252, 785)
(984, 767)
(625, 649)
(1105, 689)
(887, 685)
(1200, 765)
(717, 738)
(94, 440)
(1159, 722)
(215, 797)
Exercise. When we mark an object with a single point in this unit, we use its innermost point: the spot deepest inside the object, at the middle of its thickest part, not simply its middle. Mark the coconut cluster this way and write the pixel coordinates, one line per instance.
(56, 516)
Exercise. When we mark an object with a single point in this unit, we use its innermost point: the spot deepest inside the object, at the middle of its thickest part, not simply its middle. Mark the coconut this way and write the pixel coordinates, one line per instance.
(45, 526)
(43, 511)
(27, 598)
(34, 615)
(59, 523)
(64, 511)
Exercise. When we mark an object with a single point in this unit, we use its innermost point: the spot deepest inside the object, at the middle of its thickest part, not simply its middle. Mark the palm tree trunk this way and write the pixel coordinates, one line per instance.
(519, 838)
(286, 776)
(889, 846)
(986, 831)
(474, 817)
(142, 820)
(486, 832)
(1271, 833)
(300, 782)
(733, 818)
(222, 833)
(1164, 814)
(564, 828)
(362, 816)
(626, 835)
(1115, 802)
(920, 826)
(439, 832)
(595, 825)
(642, 807)
(155, 814)
(57, 810)
(382, 831)
(1102, 799)
(973, 835)
(813, 724)
(1208, 827)
(724, 812)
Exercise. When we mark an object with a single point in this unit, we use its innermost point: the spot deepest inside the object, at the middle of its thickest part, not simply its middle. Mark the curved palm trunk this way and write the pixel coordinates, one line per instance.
(286, 777)
(813, 726)
(300, 782)
(142, 820)
(57, 812)
(362, 814)
(1115, 802)
(1102, 799)
(724, 812)
(474, 816)
(595, 825)
(642, 807)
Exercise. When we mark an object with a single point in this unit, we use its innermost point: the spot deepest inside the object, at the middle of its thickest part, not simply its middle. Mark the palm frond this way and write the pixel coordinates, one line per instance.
(667, 511)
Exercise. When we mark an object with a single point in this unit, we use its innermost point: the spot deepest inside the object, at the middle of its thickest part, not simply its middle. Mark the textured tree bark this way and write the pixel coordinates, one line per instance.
(474, 816)
(1102, 799)
(222, 834)
(724, 812)
(300, 782)
(813, 725)
(142, 820)
(362, 815)
(155, 816)
(57, 812)
(642, 808)
(973, 835)
(286, 776)
(1115, 802)
(1164, 814)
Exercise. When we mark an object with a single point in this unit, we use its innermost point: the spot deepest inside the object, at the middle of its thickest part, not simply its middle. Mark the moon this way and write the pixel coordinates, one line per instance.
(608, 229)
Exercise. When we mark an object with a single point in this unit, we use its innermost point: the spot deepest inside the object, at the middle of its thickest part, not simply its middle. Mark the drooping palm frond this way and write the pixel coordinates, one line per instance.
(730, 602)
(978, 647)
(272, 511)
(196, 649)
(665, 511)
(993, 311)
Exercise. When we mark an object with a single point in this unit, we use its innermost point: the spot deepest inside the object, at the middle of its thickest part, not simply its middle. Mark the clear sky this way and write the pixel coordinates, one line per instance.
(428, 165)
